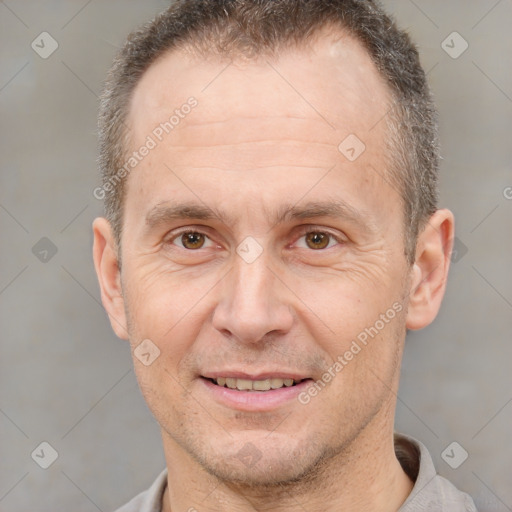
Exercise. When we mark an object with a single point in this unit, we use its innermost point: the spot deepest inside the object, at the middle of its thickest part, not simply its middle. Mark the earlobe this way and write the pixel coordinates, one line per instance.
(430, 270)
(107, 270)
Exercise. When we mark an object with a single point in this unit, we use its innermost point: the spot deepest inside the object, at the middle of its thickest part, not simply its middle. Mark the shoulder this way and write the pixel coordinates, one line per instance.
(431, 491)
(149, 500)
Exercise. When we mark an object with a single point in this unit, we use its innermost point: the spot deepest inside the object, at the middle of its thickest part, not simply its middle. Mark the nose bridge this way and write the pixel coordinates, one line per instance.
(252, 284)
(253, 303)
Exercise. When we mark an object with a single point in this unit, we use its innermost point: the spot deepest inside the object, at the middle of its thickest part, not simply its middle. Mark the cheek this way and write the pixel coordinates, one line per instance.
(365, 368)
(161, 301)
(344, 301)
(169, 313)
(359, 324)
(163, 391)
(170, 309)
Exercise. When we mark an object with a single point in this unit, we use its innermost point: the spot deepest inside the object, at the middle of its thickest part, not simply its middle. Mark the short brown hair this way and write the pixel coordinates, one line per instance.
(255, 27)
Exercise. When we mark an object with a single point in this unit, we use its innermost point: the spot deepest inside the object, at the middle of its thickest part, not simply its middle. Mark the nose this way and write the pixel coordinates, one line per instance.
(253, 304)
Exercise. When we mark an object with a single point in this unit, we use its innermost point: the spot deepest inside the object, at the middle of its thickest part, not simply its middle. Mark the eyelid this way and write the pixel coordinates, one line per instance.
(312, 228)
(172, 236)
(302, 231)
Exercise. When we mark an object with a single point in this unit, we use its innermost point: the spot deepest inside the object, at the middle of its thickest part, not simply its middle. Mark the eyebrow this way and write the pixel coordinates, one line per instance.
(164, 213)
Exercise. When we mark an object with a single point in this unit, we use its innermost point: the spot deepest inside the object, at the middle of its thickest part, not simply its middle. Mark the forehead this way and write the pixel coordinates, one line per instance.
(288, 114)
(332, 81)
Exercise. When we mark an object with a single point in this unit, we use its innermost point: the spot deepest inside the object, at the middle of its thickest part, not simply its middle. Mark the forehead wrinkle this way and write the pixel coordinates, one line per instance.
(257, 142)
(231, 170)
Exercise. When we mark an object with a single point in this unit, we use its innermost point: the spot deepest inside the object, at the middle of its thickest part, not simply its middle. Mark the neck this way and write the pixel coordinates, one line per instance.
(366, 476)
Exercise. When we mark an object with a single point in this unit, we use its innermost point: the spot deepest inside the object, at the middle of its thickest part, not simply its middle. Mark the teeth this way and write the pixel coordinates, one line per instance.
(261, 385)
(243, 384)
(254, 385)
(276, 383)
(231, 383)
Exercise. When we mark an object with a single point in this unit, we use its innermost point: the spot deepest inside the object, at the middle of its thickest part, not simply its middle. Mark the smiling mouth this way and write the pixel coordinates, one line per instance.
(254, 385)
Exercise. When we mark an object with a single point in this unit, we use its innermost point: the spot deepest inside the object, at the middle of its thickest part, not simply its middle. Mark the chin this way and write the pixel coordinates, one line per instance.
(268, 473)
(264, 463)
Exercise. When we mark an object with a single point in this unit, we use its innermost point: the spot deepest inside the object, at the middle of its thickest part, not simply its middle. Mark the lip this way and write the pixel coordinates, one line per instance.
(253, 401)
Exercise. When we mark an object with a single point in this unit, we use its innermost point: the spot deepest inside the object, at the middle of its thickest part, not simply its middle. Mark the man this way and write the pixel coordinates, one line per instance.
(271, 232)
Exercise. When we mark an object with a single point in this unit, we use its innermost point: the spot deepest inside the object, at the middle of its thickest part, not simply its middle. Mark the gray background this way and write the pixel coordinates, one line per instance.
(66, 379)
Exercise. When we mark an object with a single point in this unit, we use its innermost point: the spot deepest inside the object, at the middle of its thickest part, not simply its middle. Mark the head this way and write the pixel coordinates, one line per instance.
(283, 226)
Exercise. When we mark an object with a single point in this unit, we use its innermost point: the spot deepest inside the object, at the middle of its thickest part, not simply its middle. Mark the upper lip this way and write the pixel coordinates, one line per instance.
(255, 376)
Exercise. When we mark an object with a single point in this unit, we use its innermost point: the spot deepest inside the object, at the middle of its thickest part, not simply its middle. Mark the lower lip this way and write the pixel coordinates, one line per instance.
(254, 400)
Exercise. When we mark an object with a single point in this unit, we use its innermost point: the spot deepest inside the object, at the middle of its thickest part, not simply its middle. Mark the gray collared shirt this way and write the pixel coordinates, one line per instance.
(431, 492)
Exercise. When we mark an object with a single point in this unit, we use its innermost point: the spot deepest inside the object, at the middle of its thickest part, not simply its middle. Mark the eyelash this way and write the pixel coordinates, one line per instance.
(187, 231)
(302, 232)
(312, 229)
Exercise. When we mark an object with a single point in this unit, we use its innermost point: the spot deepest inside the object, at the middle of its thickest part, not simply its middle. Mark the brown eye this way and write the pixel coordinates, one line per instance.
(317, 240)
(192, 240)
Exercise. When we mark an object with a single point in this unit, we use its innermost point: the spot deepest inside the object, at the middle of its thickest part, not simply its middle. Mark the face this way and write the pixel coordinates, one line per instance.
(256, 254)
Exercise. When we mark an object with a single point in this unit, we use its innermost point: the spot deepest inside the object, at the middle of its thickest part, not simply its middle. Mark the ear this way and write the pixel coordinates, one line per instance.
(430, 269)
(109, 276)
